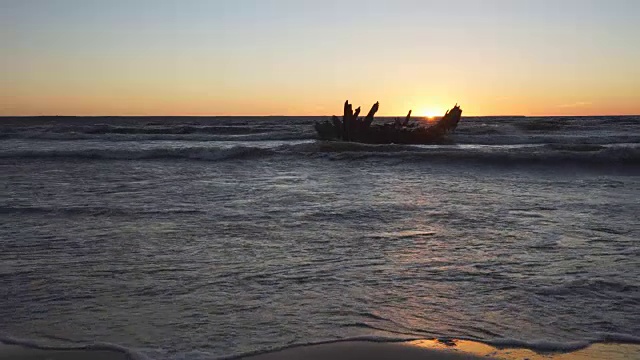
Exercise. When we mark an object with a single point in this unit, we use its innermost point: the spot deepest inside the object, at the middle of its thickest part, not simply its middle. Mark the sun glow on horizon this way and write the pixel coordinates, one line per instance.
(430, 113)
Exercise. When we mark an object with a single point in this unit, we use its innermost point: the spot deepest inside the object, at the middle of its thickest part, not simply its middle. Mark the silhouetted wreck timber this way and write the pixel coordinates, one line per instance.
(352, 128)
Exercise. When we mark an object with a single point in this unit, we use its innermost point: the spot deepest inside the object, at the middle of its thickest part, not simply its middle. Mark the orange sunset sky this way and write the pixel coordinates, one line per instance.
(241, 57)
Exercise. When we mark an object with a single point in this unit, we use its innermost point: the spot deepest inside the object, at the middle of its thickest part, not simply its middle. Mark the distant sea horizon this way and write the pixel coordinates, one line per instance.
(303, 116)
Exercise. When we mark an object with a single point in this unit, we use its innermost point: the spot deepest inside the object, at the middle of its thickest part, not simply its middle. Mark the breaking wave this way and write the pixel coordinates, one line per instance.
(502, 137)
(627, 154)
(152, 136)
(196, 153)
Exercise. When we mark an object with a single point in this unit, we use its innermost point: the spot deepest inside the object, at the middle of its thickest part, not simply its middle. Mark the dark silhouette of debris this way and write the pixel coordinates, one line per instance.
(351, 128)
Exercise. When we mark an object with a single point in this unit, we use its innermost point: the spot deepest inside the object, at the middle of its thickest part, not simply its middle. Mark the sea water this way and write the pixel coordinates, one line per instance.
(199, 238)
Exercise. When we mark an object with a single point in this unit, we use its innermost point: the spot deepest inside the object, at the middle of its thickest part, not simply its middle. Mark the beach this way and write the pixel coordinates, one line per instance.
(351, 350)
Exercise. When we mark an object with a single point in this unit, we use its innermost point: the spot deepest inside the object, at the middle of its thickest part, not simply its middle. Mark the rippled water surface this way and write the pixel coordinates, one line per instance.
(204, 239)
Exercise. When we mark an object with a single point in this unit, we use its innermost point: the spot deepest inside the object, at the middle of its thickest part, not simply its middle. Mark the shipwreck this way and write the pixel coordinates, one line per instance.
(357, 129)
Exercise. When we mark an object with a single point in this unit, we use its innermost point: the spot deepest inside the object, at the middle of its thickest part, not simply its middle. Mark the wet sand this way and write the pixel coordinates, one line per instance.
(349, 350)
(15, 352)
(365, 350)
(436, 350)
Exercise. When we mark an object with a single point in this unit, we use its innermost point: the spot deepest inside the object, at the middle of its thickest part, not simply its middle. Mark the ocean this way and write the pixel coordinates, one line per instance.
(212, 237)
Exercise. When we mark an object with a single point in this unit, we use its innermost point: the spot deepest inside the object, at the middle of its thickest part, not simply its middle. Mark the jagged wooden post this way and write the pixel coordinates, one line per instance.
(353, 125)
(406, 121)
(347, 117)
(356, 113)
(369, 118)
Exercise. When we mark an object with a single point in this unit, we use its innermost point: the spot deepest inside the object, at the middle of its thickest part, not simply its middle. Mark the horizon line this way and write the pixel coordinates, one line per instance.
(381, 116)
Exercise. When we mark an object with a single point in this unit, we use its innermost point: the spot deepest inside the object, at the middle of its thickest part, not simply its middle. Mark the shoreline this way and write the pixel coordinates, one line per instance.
(20, 352)
(348, 350)
(443, 350)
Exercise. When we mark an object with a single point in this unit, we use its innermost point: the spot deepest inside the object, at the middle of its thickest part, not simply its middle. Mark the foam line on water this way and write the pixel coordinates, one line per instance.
(97, 346)
(629, 154)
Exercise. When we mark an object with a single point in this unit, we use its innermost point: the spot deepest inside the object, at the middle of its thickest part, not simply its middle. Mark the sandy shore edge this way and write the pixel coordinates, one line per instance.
(365, 350)
(349, 350)
(18, 352)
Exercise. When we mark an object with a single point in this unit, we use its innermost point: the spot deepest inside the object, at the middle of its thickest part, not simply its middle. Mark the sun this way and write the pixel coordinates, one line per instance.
(430, 113)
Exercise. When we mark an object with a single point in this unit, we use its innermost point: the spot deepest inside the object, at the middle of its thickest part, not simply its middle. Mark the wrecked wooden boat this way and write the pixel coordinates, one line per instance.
(362, 130)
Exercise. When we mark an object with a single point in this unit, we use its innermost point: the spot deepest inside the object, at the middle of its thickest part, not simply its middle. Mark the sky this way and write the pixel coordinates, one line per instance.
(306, 57)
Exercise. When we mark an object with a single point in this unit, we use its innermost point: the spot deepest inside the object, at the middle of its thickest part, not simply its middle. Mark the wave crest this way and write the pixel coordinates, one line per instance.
(496, 155)
(195, 153)
(160, 136)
